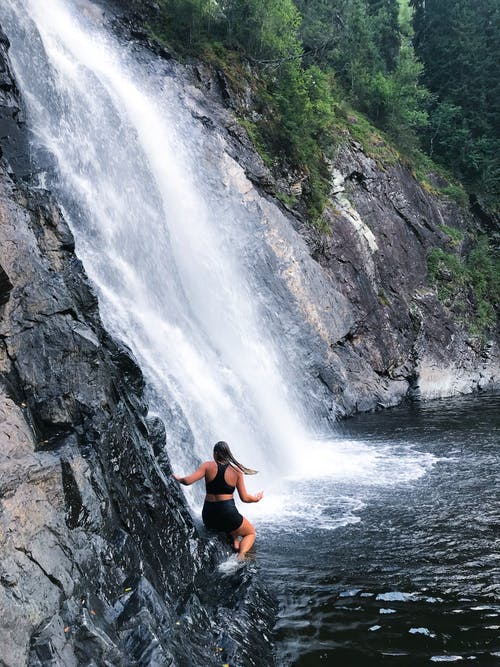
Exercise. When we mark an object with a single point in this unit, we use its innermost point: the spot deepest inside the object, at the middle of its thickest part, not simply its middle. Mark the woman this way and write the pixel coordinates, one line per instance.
(222, 476)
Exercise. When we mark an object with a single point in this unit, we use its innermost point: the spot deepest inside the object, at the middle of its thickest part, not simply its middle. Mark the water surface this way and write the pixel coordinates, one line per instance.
(410, 573)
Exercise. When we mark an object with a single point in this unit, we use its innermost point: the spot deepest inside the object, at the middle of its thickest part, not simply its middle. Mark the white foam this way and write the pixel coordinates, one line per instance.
(231, 565)
(421, 631)
(396, 596)
(369, 464)
(446, 658)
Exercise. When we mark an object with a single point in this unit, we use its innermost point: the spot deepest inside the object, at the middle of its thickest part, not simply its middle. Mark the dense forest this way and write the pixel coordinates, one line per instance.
(414, 81)
(425, 71)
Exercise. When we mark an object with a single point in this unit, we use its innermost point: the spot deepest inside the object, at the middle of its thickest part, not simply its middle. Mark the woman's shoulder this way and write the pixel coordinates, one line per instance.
(235, 471)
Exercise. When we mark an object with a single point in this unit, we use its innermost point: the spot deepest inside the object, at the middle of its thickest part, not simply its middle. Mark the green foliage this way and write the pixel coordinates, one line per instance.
(384, 19)
(426, 170)
(397, 101)
(484, 269)
(474, 280)
(295, 126)
(301, 116)
(288, 200)
(186, 23)
(258, 141)
(456, 235)
(262, 28)
(458, 43)
(447, 271)
(421, 85)
(405, 19)
(456, 193)
(368, 45)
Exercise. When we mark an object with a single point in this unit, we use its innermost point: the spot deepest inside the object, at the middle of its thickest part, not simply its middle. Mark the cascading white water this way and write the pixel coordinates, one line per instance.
(167, 245)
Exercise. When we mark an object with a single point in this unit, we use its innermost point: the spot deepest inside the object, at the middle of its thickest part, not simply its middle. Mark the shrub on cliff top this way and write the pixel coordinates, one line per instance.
(474, 280)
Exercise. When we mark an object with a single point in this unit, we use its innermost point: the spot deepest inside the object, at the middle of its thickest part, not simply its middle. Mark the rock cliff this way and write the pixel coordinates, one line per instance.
(383, 334)
(100, 561)
(377, 330)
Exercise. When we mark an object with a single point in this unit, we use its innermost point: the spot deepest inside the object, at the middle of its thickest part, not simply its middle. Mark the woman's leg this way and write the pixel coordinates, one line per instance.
(247, 533)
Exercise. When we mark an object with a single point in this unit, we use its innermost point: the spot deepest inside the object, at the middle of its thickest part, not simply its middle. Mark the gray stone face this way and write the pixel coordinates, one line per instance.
(402, 329)
(378, 331)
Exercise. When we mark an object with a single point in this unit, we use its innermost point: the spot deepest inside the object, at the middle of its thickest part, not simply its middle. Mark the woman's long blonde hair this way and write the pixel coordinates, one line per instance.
(222, 453)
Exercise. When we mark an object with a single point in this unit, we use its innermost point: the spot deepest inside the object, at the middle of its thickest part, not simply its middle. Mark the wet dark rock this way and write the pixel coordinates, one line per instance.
(5, 287)
(100, 560)
(13, 139)
(403, 329)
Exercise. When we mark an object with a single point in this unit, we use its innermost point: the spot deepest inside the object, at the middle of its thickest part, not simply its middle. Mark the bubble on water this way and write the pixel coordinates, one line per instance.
(446, 658)
(421, 631)
(351, 593)
(396, 596)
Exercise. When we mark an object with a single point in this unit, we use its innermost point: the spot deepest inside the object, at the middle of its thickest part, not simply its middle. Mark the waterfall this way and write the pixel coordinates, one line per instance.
(171, 249)
(161, 247)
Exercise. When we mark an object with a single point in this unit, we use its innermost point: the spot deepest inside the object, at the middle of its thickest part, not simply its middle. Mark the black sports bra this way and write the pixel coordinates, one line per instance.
(219, 486)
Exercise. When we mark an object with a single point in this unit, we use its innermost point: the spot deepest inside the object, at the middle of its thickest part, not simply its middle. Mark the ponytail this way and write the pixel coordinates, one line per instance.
(223, 453)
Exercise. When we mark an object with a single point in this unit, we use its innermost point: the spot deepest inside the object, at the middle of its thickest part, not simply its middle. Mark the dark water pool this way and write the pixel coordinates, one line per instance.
(416, 580)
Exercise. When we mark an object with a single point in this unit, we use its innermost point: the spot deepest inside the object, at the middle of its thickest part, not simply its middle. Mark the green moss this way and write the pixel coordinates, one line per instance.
(456, 235)
(468, 285)
(382, 297)
(231, 64)
(317, 197)
(375, 142)
(289, 200)
(456, 193)
(258, 141)
(430, 173)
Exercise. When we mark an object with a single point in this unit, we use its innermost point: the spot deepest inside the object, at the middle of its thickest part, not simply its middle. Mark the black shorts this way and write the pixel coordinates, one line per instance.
(221, 515)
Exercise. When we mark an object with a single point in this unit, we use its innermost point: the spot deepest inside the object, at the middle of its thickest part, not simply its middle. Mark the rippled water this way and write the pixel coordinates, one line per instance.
(401, 571)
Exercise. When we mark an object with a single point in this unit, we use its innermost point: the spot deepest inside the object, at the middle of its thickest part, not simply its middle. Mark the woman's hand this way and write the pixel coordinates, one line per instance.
(193, 477)
(258, 496)
(178, 478)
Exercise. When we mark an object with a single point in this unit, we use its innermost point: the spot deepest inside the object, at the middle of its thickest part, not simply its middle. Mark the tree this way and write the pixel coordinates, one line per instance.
(263, 29)
(458, 43)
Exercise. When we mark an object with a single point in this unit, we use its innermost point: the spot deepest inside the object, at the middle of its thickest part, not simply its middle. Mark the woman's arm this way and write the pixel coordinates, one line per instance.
(243, 493)
(193, 477)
